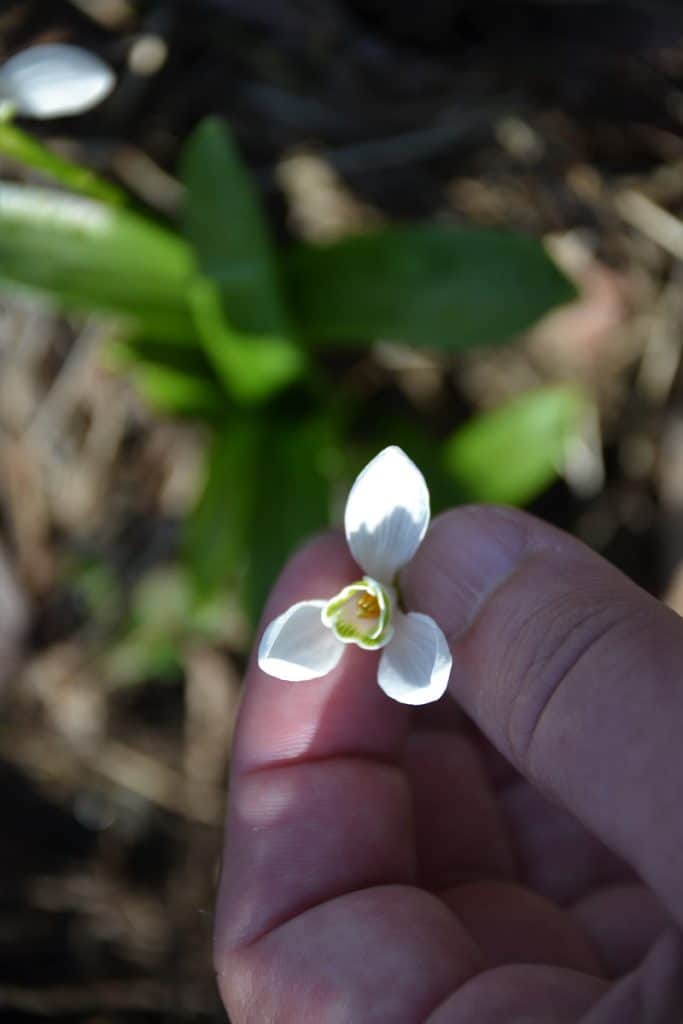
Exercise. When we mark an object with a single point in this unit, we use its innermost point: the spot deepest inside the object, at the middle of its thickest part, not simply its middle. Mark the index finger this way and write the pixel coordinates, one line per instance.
(343, 713)
(320, 843)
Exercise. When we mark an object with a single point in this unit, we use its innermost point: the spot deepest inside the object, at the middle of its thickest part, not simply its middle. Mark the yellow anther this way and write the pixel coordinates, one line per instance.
(367, 606)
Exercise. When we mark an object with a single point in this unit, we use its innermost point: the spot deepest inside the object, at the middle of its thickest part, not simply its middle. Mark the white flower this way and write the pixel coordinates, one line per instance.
(387, 514)
(54, 80)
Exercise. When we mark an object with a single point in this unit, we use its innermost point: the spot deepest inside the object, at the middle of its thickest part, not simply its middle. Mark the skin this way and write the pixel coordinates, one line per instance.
(511, 854)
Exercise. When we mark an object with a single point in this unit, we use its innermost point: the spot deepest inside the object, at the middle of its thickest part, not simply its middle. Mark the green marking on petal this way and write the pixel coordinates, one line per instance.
(335, 604)
(345, 632)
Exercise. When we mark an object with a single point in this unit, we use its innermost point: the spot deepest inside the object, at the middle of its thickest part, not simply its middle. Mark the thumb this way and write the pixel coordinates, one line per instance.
(572, 671)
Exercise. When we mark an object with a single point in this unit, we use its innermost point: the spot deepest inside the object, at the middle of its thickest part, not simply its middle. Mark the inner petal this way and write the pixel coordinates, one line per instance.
(361, 614)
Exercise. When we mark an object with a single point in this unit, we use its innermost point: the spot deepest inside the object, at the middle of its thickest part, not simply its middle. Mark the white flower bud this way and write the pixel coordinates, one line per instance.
(54, 81)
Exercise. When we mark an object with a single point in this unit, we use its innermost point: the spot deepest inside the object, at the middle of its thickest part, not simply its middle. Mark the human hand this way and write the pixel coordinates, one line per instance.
(388, 865)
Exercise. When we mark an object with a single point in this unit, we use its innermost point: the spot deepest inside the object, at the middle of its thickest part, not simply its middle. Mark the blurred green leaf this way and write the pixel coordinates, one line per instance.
(176, 392)
(251, 367)
(31, 153)
(267, 488)
(164, 620)
(91, 256)
(224, 223)
(175, 380)
(97, 587)
(292, 500)
(433, 285)
(218, 531)
(151, 645)
(509, 456)
(138, 657)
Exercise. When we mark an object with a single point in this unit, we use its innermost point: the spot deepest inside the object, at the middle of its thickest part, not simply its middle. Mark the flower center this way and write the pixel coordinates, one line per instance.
(361, 614)
(367, 606)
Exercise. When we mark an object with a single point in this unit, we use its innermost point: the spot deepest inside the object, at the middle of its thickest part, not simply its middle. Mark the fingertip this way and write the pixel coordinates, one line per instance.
(340, 713)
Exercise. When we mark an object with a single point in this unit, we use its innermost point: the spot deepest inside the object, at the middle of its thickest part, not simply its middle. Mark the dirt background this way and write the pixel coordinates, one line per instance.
(559, 119)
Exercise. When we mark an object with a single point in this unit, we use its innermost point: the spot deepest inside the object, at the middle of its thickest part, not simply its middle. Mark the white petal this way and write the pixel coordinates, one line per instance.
(55, 81)
(297, 645)
(416, 665)
(387, 514)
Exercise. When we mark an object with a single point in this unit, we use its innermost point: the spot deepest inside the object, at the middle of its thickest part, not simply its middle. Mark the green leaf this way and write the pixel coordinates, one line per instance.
(292, 500)
(176, 392)
(218, 531)
(29, 152)
(251, 367)
(238, 307)
(91, 256)
(432, 285)
(138, 658)
(152, 641)
(267, 488)
(97, 588)
(224, 222)
(509, 456)
(175, 380)
(163, 623)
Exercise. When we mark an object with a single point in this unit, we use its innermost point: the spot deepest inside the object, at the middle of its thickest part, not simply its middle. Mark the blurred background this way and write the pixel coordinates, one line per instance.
(158, 462)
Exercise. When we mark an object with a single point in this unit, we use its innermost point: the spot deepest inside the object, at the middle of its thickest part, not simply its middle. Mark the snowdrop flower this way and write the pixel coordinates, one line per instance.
(54, 80)
(387, 514)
